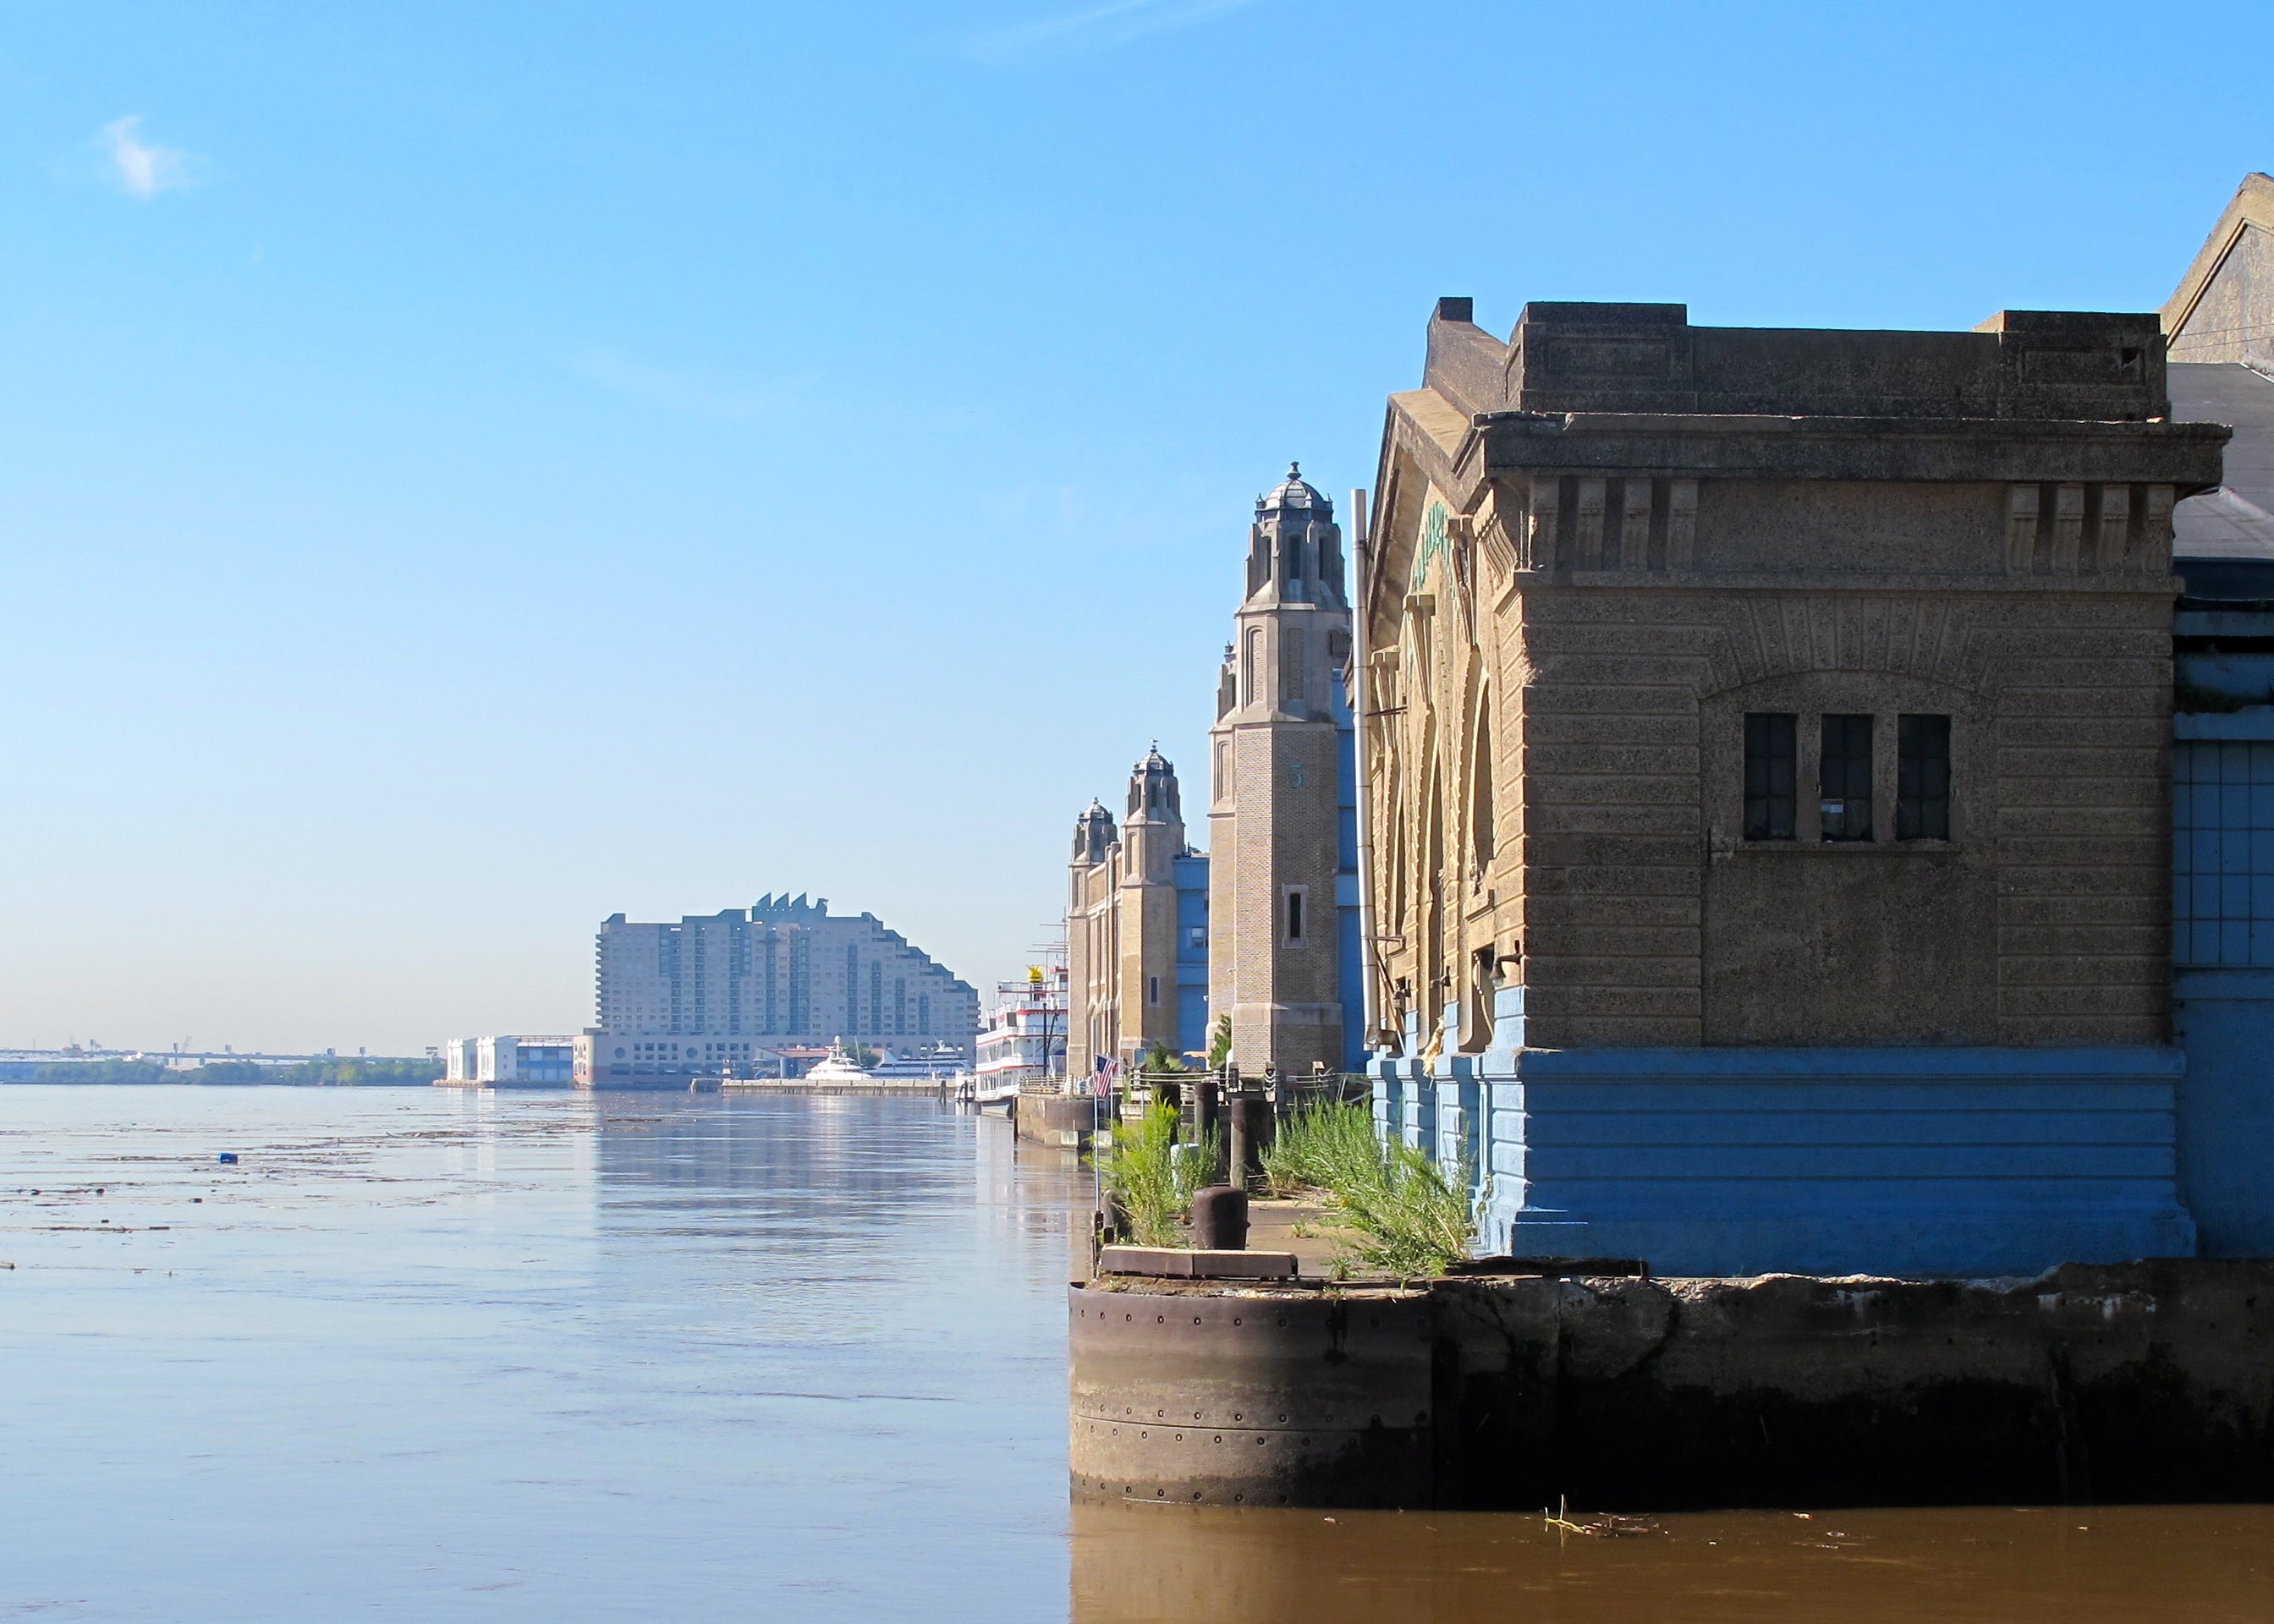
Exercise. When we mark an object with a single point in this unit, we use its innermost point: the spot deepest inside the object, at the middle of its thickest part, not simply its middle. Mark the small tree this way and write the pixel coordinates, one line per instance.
(1160, 1058)
(1220, 1043)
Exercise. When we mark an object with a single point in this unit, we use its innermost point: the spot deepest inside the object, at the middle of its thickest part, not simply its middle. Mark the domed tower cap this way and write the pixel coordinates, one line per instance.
(1092, 832)
(1294, 492)
(1153, 788)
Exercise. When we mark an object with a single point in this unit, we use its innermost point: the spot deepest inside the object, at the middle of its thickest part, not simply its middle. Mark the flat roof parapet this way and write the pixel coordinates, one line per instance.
(2039, 365)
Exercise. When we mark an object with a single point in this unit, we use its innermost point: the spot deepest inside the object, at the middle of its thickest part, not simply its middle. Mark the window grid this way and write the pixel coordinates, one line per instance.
(1843, 776)
(1771, 748)
(2222, 853)
(1921, 778)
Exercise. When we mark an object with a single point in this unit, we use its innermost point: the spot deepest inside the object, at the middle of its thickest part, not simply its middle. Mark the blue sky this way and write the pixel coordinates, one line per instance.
(469, 469)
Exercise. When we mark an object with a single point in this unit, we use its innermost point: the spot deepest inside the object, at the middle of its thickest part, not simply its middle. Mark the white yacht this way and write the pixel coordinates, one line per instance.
(938, 1064)
(837, 1069)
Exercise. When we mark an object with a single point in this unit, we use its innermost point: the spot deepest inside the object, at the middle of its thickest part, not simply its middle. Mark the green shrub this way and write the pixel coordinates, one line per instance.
(1412, 1221)
(1153, 1178)
(1321, 1146)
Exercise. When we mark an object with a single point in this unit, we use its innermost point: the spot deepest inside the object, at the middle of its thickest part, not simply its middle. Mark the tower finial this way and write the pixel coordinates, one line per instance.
(1294, 470)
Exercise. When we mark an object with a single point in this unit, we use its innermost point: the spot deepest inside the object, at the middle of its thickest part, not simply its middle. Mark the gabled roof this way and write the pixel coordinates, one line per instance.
(2252, 205)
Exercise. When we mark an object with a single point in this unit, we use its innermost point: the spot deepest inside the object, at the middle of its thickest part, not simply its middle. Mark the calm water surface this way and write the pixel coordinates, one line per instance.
(427, 1355)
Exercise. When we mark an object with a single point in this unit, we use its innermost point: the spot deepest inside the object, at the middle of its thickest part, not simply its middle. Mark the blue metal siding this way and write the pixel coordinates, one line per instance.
(2222, 853)
(1905, 1162)
(2223, 954)
(1192, 880)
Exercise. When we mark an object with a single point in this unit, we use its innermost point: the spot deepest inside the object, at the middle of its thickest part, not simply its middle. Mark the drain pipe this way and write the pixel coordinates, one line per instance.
(1361, 535)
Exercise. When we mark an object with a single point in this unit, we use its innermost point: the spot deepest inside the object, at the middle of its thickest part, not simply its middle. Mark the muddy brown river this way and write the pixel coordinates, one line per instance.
(427, 1355)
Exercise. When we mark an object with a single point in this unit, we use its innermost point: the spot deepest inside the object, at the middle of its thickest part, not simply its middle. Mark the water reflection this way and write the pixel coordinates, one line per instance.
(433, 1356)
(2199, 1564)
(849, 1187)
(440, 1356)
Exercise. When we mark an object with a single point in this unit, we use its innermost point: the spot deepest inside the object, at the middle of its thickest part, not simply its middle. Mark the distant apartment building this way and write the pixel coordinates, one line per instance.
(507, 1062)
(735, 990)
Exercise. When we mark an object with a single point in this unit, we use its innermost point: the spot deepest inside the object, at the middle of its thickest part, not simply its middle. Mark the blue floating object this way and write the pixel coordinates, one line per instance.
(228, 1157)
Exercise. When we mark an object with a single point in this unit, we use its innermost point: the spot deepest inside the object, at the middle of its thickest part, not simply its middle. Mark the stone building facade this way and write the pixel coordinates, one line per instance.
(1769, 770)
(719, 990)
(1137, 928)
(1281, 810)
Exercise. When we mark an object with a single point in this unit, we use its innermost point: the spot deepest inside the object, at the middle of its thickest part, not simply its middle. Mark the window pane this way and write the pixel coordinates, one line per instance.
(1844, 778)
(1922, 778)
(1769, 756)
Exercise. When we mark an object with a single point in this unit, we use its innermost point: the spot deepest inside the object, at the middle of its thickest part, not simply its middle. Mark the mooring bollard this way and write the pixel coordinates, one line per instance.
(1251, 1127)
(1220, 1219)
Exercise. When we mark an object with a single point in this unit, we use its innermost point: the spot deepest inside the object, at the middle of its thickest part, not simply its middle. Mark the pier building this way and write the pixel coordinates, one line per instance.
(1162, 940)
(1769, 770)
(738, 988)
(1137, 926)
(1283, 830)
(2221, 322)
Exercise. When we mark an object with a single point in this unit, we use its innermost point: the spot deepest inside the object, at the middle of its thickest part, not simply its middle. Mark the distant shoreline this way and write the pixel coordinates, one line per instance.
(326, 1073)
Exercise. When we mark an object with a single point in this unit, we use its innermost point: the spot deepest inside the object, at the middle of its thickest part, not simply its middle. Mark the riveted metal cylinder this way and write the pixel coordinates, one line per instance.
(1257, 1397)
(1220, 1219)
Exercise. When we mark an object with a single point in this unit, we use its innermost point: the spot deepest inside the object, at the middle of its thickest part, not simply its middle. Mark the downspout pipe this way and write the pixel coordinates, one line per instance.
(1362, 536)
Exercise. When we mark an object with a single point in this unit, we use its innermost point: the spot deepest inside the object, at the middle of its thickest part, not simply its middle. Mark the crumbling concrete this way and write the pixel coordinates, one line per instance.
(2148, 1381)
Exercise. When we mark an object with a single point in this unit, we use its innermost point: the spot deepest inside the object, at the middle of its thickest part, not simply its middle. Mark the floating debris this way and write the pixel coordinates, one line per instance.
(1608, 1526)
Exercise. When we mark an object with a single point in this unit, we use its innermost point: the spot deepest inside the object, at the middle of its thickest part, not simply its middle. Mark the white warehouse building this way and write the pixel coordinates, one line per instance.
(508, 1062)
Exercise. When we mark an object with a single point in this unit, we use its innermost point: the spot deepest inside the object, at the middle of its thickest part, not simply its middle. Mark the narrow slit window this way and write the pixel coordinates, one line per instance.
(1922, 778)
(1294, 923)
(1770, 754)
(1843, 777)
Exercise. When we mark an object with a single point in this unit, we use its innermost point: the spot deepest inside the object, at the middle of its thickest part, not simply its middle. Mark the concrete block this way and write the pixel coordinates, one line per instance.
(1187, 1263)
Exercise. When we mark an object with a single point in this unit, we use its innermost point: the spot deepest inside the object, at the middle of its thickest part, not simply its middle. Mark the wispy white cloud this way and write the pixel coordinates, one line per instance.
(141, 169)
(1094, 27)
(677, 389)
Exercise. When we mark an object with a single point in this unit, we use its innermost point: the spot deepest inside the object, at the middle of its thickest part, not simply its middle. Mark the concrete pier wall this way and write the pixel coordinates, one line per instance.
(1066, 1120)
(2133, 1382)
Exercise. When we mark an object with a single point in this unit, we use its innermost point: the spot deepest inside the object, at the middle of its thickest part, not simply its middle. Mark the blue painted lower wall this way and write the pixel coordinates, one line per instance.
(2224, 1019)
(2222, 942)
(1922, 1162)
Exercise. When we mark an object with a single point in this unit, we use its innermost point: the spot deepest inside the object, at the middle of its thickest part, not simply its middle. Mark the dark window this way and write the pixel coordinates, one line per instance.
(1922, 778)
(1480, 804)
(1295, 916)
(1843, 777)
(1769, 795)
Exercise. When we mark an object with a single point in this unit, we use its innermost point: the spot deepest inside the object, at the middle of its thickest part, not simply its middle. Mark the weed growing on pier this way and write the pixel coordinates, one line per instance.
(1321, 1146)
(1412, 1220)
(1153, 1178)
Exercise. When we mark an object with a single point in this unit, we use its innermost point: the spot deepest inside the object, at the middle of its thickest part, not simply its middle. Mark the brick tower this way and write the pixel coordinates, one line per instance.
(1275, 845)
